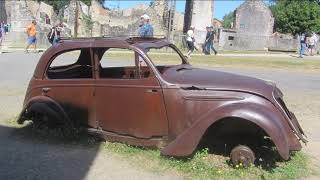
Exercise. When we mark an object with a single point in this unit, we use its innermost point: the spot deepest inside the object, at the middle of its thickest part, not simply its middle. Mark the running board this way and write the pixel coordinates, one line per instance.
(153, 142)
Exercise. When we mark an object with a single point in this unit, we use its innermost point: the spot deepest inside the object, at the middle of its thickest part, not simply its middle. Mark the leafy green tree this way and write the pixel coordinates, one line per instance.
(60, 4)
(57, 5)
(295, 16)
(228, 19)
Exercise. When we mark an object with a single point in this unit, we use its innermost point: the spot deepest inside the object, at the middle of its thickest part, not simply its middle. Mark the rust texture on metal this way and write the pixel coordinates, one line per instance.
(173, 107)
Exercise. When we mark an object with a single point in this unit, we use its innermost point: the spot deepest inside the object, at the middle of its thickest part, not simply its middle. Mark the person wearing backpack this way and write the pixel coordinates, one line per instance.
(54, 36)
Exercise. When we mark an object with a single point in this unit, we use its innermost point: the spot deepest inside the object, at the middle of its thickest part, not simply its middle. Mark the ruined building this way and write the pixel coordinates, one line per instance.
(94, 20)
(253, 27)
(200, 15)
(253, 30)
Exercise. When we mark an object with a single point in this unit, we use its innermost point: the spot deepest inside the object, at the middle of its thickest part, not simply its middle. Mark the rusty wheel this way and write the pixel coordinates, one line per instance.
(242, 155)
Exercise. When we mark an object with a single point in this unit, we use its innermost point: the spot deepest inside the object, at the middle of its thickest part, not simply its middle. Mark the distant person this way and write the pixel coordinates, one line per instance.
(47, 19)
(9, 27)
(312, 44)
(6, 28)
(190, 41)
(31, 33)
(146, 29)
(210, 41)
(54, 35)
(317, 39)
(1, 39)
(303, 41)
(206, 42)
(2, 29)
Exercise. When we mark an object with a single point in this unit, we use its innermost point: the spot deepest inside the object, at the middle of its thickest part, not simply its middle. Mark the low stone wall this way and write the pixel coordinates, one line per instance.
(282, 44)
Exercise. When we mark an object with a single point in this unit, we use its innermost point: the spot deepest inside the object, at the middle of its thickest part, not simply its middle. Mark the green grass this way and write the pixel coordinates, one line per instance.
(263, 62)
(209, 166)
(201, 166)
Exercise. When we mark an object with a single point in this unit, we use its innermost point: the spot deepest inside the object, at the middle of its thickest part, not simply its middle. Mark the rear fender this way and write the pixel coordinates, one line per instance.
(269, 121)
(43, 104)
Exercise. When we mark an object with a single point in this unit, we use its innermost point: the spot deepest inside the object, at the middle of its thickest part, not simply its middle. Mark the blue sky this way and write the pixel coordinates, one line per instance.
(221, 7)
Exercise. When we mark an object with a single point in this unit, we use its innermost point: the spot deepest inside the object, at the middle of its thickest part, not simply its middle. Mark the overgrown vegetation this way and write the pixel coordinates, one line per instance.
(228, 20)
(60, 4)
(296, 16)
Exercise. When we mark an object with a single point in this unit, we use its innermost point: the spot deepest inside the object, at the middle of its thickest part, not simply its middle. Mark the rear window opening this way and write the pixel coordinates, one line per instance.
(74, 64)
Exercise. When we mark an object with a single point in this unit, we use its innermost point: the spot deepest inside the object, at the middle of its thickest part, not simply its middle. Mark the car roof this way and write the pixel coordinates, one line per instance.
(141, 42)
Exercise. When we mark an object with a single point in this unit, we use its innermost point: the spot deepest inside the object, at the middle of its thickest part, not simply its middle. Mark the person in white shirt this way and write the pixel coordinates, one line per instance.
(312, 42)
(190, 41)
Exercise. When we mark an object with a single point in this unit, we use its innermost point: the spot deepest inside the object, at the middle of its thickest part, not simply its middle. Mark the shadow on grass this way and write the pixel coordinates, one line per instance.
(27, 153)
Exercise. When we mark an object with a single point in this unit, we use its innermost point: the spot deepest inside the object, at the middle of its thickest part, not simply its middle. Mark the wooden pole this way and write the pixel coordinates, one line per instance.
(76, 17)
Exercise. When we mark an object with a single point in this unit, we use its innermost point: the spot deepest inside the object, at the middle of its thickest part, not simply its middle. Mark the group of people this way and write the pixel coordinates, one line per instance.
(208, 44)
(308, 42)
(53, 36)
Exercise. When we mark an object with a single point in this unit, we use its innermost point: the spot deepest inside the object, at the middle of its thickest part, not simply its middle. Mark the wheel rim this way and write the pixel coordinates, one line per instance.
(242, 155)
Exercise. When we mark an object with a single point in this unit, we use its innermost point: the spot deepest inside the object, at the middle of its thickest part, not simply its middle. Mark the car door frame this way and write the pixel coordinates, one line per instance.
(153, 74)
(84, 82)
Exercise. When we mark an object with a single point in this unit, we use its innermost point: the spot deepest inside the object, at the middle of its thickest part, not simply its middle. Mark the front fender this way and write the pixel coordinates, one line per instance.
(38, 103)
(264, 116)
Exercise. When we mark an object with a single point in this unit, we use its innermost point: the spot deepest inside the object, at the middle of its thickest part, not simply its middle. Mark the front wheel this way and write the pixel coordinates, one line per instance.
(242, 154)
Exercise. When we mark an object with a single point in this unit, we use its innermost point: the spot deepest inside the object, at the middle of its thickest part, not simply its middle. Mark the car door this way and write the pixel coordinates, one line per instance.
(69, 81)
(128, 102)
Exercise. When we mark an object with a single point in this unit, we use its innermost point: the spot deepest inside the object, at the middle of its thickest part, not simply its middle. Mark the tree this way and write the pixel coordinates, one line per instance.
(57, 5)
(295, 16)
(228, 19)
(60, 4)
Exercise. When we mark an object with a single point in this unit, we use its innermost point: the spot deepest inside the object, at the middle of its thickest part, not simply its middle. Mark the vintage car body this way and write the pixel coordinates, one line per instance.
(173, 109)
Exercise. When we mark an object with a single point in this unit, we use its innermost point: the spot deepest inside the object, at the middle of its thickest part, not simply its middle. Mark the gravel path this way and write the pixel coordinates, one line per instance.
(25, 158)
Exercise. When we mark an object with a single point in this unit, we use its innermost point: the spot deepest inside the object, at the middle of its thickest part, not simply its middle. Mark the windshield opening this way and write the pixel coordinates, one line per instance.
(165, 57)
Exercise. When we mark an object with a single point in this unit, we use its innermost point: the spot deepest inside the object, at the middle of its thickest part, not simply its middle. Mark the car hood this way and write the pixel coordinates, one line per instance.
(197, 78)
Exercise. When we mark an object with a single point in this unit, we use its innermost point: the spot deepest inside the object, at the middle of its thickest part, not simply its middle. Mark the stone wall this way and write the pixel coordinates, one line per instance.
(253, 27)
(255, 18)
(202, 15)
(115, 22)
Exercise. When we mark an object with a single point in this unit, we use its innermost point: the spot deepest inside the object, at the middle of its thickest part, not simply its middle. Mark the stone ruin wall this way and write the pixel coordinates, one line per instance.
(20, 13)
(253, 30)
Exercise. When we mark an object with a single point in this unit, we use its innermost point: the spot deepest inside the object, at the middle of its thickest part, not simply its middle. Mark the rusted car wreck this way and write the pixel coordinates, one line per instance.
(140, 102)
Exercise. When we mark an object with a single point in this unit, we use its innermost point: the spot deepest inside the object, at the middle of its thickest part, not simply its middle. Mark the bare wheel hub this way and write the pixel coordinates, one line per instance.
(242, 155)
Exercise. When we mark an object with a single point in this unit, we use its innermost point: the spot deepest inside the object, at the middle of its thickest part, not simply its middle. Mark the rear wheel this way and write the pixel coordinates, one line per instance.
(242, 155)
(44, 120)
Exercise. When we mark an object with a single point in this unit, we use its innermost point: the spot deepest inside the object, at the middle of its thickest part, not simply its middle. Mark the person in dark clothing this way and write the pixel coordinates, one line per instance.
(55, 33)
(303, 41)
(206, 42)
(209, 41)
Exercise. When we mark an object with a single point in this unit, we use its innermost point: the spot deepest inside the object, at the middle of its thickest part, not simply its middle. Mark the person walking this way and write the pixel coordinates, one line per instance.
(55, 34)
(206, 42)
(190, 41)
(303, 41)
(146, 29)
(32, 39)
(2, 29)
(311, 44)
(210, 41)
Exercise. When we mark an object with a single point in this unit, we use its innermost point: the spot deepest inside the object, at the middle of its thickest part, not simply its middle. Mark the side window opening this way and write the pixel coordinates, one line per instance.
(117, 63)
(74, 64)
